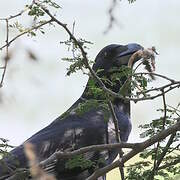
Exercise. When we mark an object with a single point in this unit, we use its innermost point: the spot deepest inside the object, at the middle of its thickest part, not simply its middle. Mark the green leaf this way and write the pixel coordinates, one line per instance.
(79, 162)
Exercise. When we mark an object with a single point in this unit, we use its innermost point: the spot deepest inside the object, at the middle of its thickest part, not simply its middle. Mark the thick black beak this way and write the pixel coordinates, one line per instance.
(123, 57)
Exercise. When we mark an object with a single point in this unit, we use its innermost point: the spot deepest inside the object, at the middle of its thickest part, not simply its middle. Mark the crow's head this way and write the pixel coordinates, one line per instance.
(114, 58)
(115, 55)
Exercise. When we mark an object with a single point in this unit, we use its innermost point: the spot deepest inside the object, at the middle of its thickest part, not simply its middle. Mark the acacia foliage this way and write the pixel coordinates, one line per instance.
(160, 160)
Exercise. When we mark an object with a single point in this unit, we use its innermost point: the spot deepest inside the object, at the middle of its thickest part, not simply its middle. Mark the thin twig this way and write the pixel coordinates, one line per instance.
(155, 168)
(165, 150)
(25, 32)
(175, 109)
(7, 53)
(165, 109)
(177, 161)
(155, 159)
(117, 132)
(18, 14)
(14, 16)
(155, 74)
(174, 148)
(169, 85)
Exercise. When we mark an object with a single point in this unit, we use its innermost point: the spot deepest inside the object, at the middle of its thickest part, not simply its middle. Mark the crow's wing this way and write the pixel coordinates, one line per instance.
(68, 132)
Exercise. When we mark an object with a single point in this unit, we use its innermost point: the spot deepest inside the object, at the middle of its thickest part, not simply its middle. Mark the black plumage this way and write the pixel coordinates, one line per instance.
(72, 131)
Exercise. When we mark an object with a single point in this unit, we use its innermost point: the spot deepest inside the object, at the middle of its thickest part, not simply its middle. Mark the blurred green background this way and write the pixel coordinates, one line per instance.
(36, 92)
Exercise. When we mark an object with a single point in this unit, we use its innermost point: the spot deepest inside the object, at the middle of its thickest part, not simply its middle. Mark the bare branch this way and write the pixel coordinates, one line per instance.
(155, 74)
(25, 32)
(170, 141)
(117, 131)
(7, 52)
(165, 109)
(60, 154)
(155, 168)
(14, 16)
(18, 14)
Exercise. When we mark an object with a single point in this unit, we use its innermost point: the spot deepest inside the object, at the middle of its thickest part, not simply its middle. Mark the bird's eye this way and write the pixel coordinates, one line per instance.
(105, 54)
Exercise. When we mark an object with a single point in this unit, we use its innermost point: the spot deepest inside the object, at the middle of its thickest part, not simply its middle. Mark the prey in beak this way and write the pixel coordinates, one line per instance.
(148, 59)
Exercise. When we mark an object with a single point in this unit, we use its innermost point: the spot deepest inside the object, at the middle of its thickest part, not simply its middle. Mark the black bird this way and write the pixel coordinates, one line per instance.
(72, 131)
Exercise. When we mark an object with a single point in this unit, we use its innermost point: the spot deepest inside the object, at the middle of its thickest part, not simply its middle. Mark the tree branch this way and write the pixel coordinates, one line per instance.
(14, 16)
(165, 150)
(155, 168)
(60, 154)
(25, 32)
(117, 131)
(7, 53)
(92, 72)
(169, 164)
(155, 74)
(163, 134)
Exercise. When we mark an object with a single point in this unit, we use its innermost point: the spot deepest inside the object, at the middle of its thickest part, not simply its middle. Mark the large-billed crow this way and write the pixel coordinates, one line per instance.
(72, 130)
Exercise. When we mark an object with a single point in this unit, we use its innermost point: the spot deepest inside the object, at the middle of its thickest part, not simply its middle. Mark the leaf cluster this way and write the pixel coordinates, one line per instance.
(143, 168)
(79, 161)
(77, 61)
(35, 11)
(94, 91)
(137, 170)
(4, 146)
